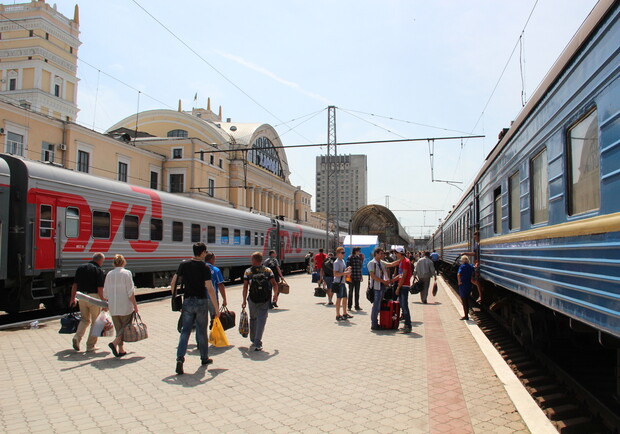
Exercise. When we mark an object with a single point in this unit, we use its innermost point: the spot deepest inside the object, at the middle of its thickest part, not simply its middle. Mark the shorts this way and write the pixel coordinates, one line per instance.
(328, 281)
(340, 289)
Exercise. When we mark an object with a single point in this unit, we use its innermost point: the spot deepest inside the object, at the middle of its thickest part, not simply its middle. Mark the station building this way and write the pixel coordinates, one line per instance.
(193, 153)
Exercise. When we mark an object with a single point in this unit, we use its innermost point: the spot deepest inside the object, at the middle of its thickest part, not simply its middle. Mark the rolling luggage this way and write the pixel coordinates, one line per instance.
(389, 315)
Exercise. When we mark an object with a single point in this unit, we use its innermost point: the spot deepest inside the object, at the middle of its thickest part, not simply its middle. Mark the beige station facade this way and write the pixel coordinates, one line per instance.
(193, 153)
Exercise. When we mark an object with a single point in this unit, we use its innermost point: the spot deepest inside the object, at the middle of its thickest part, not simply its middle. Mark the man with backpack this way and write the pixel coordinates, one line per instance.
(272, 263)
(328, 276)
(258, 283)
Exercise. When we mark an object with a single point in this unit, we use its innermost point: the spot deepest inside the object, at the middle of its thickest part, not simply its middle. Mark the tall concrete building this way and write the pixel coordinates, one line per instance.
(352, 184)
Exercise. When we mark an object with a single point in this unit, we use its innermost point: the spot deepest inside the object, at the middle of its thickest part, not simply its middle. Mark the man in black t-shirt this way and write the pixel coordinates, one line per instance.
(89, 279)
(196, 276)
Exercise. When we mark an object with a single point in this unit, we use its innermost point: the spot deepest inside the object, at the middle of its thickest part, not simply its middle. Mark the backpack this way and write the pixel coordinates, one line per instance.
(260, 288)
(328, 267)
(271, 263)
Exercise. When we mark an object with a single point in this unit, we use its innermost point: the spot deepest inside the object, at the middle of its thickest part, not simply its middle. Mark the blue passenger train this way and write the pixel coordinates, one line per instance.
(546, 204)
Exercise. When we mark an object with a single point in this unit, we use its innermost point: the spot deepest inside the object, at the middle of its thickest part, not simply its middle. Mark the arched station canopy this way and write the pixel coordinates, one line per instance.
(379, 220)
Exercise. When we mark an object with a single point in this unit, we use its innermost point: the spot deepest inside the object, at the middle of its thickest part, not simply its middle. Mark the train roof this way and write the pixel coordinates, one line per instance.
(581, 37)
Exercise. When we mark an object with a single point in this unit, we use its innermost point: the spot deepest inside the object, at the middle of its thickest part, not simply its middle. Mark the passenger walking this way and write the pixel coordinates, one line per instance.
(378, 280)
(328, 276)
(464, 276)
(196, 276)
(118, 289)
(339, 287)
(425, 270)
(435, 259)
(355, 261)
(403, 280)
(217, 280)
(308, 259)
(318, 265)
(89, 279)
(272, 263)
(259, 281)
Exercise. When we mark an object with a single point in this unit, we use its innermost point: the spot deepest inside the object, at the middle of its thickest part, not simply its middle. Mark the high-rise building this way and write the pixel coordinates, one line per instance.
(38, 49)
(352, 184)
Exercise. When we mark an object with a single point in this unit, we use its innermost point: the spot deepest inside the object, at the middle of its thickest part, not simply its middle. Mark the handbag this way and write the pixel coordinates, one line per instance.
(69, 323)
(227, 318)
(135, 330)
(435, 288)
(284, 287)
(244, 323)
(217, 337)
(177, 299)
(370, 294)
(319, 292)
(417, 286)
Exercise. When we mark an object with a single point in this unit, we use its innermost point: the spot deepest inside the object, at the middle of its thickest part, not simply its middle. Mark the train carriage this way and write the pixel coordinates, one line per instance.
(59, 218)
(5, 184)
(546, 200)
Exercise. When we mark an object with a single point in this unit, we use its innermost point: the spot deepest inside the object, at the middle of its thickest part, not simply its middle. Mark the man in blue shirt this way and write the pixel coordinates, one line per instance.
(218, 283)
(435, 259)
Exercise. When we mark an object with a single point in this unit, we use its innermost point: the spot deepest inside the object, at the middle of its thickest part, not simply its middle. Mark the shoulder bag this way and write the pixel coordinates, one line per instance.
(177, 299)
(227, 318)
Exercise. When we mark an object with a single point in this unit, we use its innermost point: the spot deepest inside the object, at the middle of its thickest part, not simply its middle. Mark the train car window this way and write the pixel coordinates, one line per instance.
(177, 231)
(157, 229)
(45, 221)
(210, 234)
(514, 208)
(224, 238)
(248, 238)
(72, 222)
(539, 188)
(237, 236)
(497, 210)
(132, 227)
(262, 238)
(101, 224)
(584, 166)
(256, 238)
(195, 233)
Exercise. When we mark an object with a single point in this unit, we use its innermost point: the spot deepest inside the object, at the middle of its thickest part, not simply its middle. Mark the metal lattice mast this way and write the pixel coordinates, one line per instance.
(332, 210)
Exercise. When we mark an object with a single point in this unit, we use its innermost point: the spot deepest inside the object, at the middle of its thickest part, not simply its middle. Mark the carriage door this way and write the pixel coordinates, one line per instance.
(45, 234)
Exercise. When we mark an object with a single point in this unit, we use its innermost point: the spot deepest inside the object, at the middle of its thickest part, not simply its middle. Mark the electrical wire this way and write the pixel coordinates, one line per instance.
(371, 123)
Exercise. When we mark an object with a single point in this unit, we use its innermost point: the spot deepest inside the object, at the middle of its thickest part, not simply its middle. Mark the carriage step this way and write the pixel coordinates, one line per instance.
(41, 289)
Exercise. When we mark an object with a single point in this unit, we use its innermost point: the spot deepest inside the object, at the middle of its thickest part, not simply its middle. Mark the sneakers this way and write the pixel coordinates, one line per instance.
(76, 344)
(405, 329)
(376, 327)
(206, 362)
(358, 308)
(179, 369)
(258, 349)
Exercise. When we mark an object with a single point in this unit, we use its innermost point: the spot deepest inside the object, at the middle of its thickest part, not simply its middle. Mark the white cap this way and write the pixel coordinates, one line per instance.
(400, 249)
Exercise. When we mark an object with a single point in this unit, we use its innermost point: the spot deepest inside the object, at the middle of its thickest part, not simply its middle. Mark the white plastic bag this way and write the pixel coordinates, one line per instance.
(103, 325)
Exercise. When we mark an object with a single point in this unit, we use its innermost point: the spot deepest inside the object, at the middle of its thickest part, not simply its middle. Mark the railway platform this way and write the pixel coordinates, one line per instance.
(314, 375)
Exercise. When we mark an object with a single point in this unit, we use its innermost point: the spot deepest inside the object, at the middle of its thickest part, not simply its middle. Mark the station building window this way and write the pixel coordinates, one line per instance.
(83, 161)
(47, 152)
(14, 143)
(176, 182)
(584, 171)
(539, 188)
(177, 133)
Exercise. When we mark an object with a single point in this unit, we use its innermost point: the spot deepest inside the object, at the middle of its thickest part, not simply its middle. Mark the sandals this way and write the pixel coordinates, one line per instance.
(113, 348)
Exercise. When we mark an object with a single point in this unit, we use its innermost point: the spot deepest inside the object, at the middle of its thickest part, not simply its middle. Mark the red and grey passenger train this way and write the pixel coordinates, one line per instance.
(53, 219)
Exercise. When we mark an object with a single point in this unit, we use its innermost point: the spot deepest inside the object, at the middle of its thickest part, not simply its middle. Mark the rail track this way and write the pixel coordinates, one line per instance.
(563, 380)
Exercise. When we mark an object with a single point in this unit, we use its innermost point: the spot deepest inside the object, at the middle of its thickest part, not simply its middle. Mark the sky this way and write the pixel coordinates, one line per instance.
(393, 68)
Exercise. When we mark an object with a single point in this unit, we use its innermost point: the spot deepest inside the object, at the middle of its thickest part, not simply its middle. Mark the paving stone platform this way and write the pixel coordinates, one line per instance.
(315, 375)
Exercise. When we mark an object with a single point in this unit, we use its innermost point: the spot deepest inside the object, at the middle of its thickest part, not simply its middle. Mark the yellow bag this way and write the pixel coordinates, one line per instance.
(218, 336)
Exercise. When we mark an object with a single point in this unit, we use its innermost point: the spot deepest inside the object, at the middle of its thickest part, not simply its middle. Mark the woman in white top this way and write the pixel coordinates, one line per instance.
(118, 290)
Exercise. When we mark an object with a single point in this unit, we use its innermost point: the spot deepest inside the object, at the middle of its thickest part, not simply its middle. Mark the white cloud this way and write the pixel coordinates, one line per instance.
(243, 62)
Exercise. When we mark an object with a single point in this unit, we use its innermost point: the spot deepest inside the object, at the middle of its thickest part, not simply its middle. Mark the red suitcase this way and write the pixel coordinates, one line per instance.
(389, 315)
